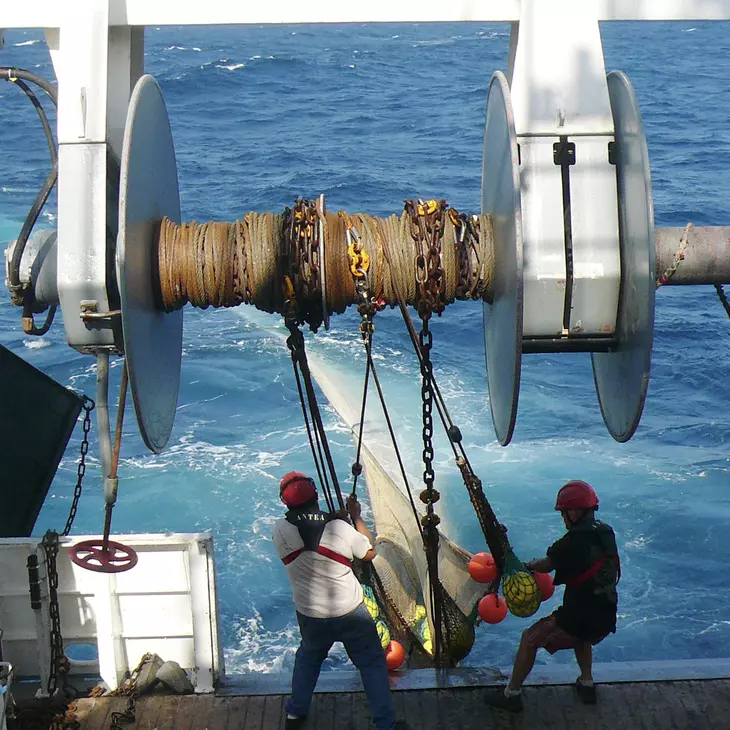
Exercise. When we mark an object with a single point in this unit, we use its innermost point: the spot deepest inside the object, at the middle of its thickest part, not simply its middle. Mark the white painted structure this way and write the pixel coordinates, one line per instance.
(97, 47)
(165, 605)
(51, 13)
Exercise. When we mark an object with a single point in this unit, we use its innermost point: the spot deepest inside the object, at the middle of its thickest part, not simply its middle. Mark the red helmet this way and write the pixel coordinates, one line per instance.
(576, 494)
(297, 489)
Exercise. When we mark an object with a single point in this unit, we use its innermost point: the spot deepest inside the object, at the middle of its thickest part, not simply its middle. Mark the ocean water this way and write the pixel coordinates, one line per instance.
(371, 115)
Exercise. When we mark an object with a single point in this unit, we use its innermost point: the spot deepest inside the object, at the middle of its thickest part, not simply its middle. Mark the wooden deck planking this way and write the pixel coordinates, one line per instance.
(98, 713)
(360, 717)
(255, 713)
(421, 708)
(237, 713)
(167, 713)
(274, 713)
(700, 705)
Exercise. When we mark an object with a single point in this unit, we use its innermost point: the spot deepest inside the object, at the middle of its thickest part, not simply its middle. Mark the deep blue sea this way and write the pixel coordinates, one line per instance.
(371, 115)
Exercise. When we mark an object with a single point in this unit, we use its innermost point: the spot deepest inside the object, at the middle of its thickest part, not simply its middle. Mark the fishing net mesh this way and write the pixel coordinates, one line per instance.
(400, 579)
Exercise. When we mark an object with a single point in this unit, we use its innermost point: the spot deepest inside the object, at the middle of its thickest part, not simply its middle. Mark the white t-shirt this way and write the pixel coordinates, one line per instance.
(322, 587)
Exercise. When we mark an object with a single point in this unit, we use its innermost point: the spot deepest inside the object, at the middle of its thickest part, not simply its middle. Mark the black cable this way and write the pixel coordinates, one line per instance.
(452, 431)
(316, 451)
(12, 74)
(19, 76)
(386, 414)
(30, 220)
(319, 425)
(28, 314)
(43, 117)
(356, 467)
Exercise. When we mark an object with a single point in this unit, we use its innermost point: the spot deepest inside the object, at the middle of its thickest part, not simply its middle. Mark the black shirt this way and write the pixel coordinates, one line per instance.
(589, 609)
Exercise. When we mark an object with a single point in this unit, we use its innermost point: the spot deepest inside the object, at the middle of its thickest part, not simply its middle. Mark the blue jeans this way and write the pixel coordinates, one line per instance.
(356, 630)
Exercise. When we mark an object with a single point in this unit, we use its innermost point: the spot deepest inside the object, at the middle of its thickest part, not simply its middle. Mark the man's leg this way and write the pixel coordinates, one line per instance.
(524, 662)
(315, 645)
(511, 698)
(584, 684)
(543, 633)
(584, 657)
(362, 644)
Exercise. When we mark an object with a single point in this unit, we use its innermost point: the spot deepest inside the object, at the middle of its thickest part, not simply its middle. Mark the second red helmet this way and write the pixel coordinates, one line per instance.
(576, 494)
(297, 489)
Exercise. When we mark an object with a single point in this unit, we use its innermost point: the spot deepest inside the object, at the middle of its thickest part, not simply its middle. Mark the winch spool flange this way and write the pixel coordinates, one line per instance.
(148, 192)
(502, 201)
(622, 375)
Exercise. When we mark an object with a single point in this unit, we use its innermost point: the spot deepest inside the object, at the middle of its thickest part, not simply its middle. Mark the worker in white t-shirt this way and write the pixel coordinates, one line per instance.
(317, 549)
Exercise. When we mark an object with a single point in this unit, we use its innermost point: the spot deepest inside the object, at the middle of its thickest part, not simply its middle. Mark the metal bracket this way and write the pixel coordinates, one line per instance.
(564, 152)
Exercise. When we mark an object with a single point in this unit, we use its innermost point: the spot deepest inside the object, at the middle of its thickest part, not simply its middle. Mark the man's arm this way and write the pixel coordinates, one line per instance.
(353, 509)
(540, 565)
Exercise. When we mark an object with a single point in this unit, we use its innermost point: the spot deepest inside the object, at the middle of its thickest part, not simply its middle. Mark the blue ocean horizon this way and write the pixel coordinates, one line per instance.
(371, 115)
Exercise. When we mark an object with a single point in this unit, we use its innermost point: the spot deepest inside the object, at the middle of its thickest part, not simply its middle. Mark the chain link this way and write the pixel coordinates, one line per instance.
(302, 234)
(467, 252)
(427, 230)
(59, 660)
(88, 406)
(125, 717)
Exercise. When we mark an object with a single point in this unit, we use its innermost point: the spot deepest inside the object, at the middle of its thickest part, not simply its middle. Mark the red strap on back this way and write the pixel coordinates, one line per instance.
(292, 556)
(331, 554)
(586, 575)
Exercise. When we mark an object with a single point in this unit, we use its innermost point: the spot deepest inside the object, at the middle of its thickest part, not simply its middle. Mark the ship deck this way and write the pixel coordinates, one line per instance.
(644, 696)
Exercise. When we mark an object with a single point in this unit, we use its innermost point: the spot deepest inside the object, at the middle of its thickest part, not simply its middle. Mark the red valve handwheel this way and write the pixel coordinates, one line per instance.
(91, 555)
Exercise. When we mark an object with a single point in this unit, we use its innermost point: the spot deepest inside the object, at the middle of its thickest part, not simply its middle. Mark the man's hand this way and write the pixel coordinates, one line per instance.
(540, 565)
(353, 507)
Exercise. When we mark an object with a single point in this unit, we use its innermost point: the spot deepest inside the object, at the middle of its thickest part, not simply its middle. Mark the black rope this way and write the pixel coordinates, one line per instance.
(314, 442)
(367, 334)
(299, 359)
(386, 414)
(320, 432)
(723, 299)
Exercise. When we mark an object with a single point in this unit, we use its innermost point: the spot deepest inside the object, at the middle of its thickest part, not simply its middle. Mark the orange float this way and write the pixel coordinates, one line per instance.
(545, 584)
(395, 655)
(482, 568)
(492, 608)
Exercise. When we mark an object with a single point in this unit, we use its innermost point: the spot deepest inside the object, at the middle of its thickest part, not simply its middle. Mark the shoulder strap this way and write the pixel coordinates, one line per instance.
(311, 526)
(586, 575)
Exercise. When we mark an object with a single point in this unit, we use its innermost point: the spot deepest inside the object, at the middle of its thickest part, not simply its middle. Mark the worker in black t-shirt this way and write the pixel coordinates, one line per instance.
(586, 561)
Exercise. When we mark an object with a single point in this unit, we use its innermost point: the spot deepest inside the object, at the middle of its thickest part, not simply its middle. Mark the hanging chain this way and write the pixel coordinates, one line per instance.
(302, 245)
(59, 663)
(88, 406)
(59, 660)
(427, 230)
(125, 717)
(467, 248)
(129, 688)
(427, 225)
